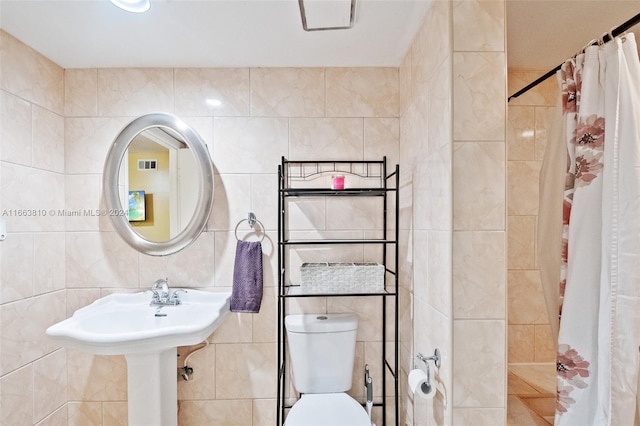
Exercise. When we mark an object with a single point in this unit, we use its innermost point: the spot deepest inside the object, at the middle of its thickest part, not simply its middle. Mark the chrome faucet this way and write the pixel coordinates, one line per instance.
(162, 294)
(160, 290)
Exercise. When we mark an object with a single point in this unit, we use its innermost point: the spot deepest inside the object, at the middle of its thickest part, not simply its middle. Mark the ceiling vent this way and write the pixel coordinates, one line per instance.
(322, 15)
(147, 164)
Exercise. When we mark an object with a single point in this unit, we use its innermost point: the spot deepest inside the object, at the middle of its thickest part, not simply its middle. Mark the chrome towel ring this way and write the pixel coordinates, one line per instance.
(252, 221)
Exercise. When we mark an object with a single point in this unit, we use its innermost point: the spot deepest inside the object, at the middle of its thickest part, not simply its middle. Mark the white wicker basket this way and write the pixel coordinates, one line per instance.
(342, 278)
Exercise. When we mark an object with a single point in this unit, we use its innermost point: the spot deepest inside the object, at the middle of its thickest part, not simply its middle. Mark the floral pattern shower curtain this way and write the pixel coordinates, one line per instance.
(599, 336)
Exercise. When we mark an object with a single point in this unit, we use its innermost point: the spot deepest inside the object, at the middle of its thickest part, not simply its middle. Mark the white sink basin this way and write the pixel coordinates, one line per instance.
(148, 337)
(125, 323)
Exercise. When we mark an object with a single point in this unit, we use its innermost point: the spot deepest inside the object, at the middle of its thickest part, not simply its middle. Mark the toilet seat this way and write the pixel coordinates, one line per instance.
(323, 409)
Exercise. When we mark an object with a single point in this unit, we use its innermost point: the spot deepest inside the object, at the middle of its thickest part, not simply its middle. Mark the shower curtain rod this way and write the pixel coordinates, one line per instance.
(615, 32)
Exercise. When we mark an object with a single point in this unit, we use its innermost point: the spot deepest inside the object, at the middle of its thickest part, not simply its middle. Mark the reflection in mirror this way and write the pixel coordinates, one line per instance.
(159, 170)
(155, 184)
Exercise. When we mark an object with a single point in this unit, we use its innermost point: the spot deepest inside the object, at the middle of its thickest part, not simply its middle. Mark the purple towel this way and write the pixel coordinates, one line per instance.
(247, 278)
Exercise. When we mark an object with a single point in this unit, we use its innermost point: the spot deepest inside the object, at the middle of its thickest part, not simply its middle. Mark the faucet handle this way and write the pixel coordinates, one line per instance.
(174, 294)
(163, 285)
(175, 297)
(161, 282)
(160, 290)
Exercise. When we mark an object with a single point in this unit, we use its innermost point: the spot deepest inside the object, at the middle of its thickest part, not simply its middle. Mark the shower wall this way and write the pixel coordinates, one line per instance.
(529, 332)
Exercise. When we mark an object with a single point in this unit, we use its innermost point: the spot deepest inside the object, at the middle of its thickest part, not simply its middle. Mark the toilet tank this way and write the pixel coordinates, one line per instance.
(322, 350)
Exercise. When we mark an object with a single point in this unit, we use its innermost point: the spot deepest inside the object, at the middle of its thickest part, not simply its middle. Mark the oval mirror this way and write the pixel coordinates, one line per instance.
(158, 184)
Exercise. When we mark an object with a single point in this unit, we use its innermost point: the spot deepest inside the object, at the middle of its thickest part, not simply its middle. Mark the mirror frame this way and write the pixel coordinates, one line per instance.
(111, 194)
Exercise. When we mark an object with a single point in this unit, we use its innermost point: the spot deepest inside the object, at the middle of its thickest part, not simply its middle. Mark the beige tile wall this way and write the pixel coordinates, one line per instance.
(58, 147)
(263, 114)
(427, 108)
(529, 333)
(33, 380)
(426, 209)
(453, 146)
(479, 212)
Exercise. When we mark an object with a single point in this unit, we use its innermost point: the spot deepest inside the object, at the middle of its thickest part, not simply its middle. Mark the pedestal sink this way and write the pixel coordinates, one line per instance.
(148, 336)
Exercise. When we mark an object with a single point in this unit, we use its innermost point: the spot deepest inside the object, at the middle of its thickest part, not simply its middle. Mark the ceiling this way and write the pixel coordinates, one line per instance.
(232, 33)
(541, 34)
(209, 33)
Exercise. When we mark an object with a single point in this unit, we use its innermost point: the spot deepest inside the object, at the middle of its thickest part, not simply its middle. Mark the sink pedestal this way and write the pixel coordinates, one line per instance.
(148, 336)
(153, 388)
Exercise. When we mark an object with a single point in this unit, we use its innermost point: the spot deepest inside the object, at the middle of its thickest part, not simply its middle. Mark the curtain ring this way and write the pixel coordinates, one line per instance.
(587, 45)
(235, 232)
(623, 37)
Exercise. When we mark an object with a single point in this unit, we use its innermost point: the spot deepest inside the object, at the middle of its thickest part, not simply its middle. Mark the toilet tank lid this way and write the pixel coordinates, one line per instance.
(321, 323)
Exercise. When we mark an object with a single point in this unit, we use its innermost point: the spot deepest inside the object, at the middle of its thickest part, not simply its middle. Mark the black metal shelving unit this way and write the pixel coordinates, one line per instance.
(294, 178)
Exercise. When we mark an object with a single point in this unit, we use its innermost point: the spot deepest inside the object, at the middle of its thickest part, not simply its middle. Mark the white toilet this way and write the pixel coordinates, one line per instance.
(322, 350)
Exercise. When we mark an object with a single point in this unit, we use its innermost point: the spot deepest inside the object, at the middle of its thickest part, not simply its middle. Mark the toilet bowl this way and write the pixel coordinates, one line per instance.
(328, 409)
(322, 351)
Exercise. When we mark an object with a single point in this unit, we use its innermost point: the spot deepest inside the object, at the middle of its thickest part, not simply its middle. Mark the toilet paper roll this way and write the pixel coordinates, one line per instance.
(419, 384)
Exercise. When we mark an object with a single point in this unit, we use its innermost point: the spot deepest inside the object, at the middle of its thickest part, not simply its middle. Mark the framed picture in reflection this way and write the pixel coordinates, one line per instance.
(136, 206)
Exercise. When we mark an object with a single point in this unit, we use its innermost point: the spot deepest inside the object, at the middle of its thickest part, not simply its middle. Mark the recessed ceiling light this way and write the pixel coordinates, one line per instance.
(135, 6)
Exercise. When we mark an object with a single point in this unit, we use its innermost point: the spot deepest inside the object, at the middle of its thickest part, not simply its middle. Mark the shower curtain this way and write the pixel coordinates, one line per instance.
(599, 331)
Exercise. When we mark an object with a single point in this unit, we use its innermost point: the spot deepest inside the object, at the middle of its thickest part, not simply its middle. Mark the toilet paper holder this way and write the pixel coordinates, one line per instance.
(435, 358)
